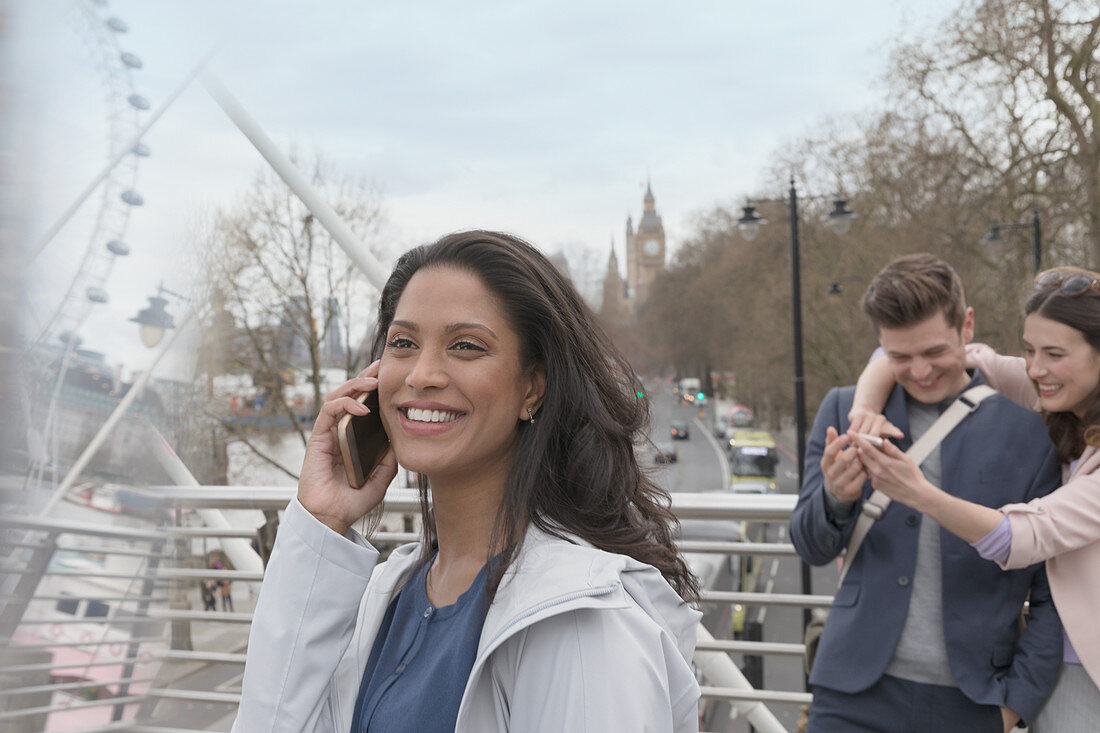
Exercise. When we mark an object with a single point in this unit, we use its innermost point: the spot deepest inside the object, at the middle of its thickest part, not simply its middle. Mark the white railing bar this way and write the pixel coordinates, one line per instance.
(717, 667)
(401, 537)
(201, 573)
(77, 620)
(165, 554)
(260, 497)
(161, 573)
(737, 548)
(116, 574)
(686, 505)
(50, 666)
(53, 524)
(213, 532)
(12, 714)
(97, 642)
(780, 696)
(131, 727)
(171, 614)
(232, 698)
(752, 647)
(221, 657)
(123, 725)
(123, 599)
(760, 507)
(765, 599)
(154, 614)
(72, 685)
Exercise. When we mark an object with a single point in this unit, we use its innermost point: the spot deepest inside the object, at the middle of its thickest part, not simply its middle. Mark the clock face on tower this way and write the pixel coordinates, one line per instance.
(652, 247)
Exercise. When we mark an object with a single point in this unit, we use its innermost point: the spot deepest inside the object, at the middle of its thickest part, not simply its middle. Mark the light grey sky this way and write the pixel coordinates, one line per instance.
(539, 118)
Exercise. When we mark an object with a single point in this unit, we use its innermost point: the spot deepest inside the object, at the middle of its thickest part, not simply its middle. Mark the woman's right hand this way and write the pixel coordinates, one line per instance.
(323, 487)
(870, 422)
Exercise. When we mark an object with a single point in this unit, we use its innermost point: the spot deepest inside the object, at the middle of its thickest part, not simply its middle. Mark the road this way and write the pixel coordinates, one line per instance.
(700, 468)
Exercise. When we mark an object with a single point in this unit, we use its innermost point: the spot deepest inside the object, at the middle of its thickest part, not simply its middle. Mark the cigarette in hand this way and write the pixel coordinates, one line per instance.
(872, 439)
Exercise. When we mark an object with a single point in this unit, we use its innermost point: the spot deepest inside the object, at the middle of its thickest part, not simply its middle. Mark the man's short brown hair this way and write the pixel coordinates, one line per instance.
(912, 289)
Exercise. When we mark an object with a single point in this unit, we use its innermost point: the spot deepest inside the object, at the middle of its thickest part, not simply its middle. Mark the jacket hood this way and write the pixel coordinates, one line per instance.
(551, 571)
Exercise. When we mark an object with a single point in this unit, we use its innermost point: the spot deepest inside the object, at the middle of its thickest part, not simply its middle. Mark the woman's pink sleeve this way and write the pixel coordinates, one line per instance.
(1006, 374)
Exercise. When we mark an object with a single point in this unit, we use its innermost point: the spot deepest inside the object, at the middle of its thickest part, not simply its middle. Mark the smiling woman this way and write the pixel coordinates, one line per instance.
(546, 571)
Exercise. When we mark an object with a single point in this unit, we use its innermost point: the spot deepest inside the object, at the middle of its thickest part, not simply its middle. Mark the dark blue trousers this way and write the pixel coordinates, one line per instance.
(894, 705)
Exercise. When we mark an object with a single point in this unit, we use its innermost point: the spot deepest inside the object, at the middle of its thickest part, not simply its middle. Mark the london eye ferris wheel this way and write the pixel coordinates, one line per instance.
(99, 240)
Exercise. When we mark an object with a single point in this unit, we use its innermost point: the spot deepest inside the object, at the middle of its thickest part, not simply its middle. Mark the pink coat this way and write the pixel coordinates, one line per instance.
(1062, 528)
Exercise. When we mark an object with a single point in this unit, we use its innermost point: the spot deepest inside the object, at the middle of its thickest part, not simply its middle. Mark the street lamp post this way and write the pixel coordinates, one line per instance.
(839, 220)
(994, 235)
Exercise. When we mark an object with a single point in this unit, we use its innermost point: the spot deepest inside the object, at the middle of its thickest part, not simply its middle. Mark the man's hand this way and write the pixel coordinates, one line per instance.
(893, 472)
(1009, 718)
(867, 421)
(840, 465)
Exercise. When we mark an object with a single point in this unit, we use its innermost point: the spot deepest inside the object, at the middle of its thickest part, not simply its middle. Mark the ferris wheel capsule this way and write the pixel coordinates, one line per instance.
(117, 25)
(96, 294)
(132, 197)
(119, 248)
(141, 150)
(138, 102)
(130, 59)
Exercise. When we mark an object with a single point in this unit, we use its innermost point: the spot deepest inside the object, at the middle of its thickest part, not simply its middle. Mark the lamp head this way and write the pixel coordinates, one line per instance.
(749, 223)
(153, 321)
(993, 236)
(840, 218)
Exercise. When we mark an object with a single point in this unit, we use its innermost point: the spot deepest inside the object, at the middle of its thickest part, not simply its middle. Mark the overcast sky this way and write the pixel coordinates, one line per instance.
(540, 118)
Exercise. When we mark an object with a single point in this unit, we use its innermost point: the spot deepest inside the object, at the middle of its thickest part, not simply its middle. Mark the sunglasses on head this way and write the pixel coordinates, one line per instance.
(1068, 283)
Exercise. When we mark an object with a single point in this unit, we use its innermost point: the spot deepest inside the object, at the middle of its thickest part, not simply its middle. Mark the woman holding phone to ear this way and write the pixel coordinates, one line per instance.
(546, 593)
(1059, 376)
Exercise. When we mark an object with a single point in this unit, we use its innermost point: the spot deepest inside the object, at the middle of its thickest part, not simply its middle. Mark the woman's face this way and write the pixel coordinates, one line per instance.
(1064, 368)
(452, 387)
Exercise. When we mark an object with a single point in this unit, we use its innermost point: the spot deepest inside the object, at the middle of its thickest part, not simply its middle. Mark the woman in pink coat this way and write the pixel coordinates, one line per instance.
(1059, 376)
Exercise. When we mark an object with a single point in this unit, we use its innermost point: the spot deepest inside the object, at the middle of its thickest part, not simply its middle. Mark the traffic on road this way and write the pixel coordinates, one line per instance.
(716, 446)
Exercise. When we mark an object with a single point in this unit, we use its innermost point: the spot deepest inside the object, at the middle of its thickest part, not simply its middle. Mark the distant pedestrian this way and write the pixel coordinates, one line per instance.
(226, 594)
(206, 587)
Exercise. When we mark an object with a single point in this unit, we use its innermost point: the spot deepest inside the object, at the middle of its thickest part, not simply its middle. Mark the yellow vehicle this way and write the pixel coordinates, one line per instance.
(753, 460)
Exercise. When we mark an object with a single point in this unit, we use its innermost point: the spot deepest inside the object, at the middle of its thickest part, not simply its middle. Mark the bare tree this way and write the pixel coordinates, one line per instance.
(288, 302)
(1015, 86)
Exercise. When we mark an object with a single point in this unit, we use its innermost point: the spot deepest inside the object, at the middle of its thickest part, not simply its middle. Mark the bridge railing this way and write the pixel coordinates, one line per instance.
(148, 628)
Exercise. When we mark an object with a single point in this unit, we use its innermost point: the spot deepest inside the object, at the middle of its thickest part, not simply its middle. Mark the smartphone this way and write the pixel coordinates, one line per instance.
(363, 441)
(872, 439)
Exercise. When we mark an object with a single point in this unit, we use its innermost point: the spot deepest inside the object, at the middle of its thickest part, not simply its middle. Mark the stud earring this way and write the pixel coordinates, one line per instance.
(530, 416)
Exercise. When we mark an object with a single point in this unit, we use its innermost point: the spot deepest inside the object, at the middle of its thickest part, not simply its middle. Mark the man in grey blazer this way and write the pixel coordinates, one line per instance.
(923, 634)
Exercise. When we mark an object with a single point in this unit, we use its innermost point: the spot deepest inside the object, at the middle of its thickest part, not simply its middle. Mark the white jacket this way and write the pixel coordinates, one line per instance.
(576, 639)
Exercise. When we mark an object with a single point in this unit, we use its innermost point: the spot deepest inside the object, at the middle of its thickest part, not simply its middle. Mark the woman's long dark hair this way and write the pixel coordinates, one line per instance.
(574, 470)
(1069, 433)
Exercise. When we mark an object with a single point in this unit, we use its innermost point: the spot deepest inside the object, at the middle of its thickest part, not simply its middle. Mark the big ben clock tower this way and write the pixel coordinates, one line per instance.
(645, 251)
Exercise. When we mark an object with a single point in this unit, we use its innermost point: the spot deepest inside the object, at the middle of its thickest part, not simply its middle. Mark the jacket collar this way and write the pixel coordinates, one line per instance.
(551, 575)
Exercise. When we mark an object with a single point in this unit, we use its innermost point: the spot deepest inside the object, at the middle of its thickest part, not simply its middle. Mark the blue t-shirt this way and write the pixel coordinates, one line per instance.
(421, 660)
